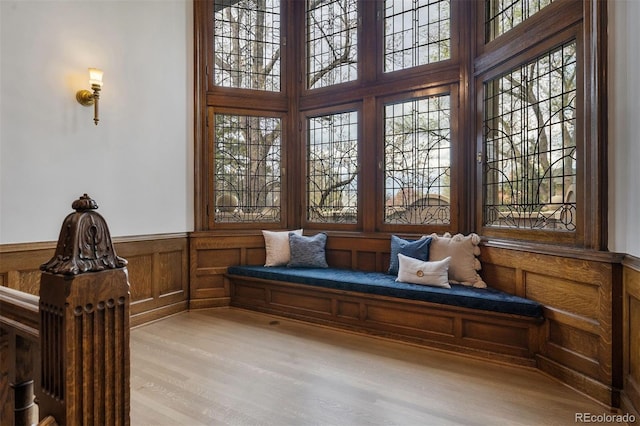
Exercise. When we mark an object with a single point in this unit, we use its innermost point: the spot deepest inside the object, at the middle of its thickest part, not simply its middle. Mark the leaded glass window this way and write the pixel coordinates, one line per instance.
(246, 44)
(247, 171)
(416, 33)
(503, 15)
(332, 168)
(530, 144)
(332, 42)
(417, 165)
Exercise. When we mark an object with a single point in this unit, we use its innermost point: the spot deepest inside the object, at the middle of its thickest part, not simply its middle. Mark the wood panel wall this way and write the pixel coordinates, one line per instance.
(158, 272)
(211, 253)
(6, 395)
(592, 303)
(581, 294)
(209, 257)
(631, 336)
(581, 290)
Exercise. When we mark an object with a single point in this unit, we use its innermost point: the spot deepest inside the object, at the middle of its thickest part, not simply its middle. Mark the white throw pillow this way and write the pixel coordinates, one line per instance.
(416, 271)
(276, 244)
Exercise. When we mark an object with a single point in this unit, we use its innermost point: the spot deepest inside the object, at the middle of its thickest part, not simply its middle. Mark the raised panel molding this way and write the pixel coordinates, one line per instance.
(171, 267)
(158, 271)
(159, 268)
(140, 279)
(630, 401)
(581, 293)
(209, 257)
(590, 339)
(579, 343)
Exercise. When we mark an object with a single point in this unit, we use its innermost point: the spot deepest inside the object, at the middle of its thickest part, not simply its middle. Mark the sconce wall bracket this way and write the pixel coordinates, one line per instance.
(85, 97)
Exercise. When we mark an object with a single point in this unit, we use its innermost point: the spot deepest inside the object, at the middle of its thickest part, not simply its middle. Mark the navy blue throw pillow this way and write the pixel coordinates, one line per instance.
(418, 249)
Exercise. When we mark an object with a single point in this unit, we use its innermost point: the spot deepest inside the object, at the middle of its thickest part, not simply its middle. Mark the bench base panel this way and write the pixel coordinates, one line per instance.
(488, 335)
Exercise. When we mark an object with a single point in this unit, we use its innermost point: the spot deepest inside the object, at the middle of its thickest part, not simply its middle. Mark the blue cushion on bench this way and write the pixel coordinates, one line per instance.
(487, 299)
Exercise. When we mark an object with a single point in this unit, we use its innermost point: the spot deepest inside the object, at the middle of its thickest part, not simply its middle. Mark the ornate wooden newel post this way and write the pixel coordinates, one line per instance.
(84, 325)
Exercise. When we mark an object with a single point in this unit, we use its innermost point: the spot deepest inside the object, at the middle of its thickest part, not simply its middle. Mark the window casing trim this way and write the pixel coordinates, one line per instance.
(456, 160)
(204, 15)
(210, 206)
(583, 117)
(476, 61)
(557, 17)
(304, 144)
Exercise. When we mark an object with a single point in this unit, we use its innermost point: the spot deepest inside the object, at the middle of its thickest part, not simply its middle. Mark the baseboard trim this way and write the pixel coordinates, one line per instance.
(158, 313)
(631, 262)
(216, 302)
(626, 406)
(589, 386)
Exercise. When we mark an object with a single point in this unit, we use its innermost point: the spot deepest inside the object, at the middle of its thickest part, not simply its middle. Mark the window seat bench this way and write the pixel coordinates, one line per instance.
(487, 323)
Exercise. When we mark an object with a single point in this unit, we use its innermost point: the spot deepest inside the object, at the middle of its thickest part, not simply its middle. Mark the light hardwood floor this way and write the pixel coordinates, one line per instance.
(235, 367)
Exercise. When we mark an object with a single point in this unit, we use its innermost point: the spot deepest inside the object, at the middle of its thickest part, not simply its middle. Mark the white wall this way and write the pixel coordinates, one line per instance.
(624, 127)
(138, 162)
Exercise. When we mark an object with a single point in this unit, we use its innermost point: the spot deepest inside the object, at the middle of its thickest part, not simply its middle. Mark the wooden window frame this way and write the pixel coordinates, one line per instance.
(472, 62)
(543, 235)
(212, 224)
(455, 161)
(304, 143)
(553, 26)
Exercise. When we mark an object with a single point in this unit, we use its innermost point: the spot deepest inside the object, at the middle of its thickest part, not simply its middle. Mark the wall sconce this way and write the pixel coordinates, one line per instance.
(86, 98)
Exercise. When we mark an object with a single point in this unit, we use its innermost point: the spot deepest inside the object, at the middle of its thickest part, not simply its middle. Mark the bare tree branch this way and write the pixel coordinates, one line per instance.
(327, 191)
(268, 68)
(338, 59)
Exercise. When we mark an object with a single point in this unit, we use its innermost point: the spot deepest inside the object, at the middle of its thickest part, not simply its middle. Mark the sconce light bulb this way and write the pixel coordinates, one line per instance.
(87, 98)
(95, 77)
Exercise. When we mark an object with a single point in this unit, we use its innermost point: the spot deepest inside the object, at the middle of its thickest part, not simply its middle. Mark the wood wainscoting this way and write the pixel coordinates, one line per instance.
(580, 341)
(631, 336)
(507, 338)
(158, 271)
(212, 253)
(581, 293)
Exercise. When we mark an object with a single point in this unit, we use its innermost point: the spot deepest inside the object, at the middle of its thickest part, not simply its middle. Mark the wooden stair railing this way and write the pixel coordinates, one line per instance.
(77, 330)
(19, 320)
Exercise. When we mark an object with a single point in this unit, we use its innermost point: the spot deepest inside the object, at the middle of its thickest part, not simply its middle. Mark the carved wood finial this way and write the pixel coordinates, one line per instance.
(84, 244)
(84, 203)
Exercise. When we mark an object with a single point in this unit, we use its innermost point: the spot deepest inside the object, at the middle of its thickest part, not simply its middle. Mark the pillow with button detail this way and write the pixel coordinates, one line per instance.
(276, 244)
(464, 252)
(418, 249)
(416, 271)
(308, 252)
